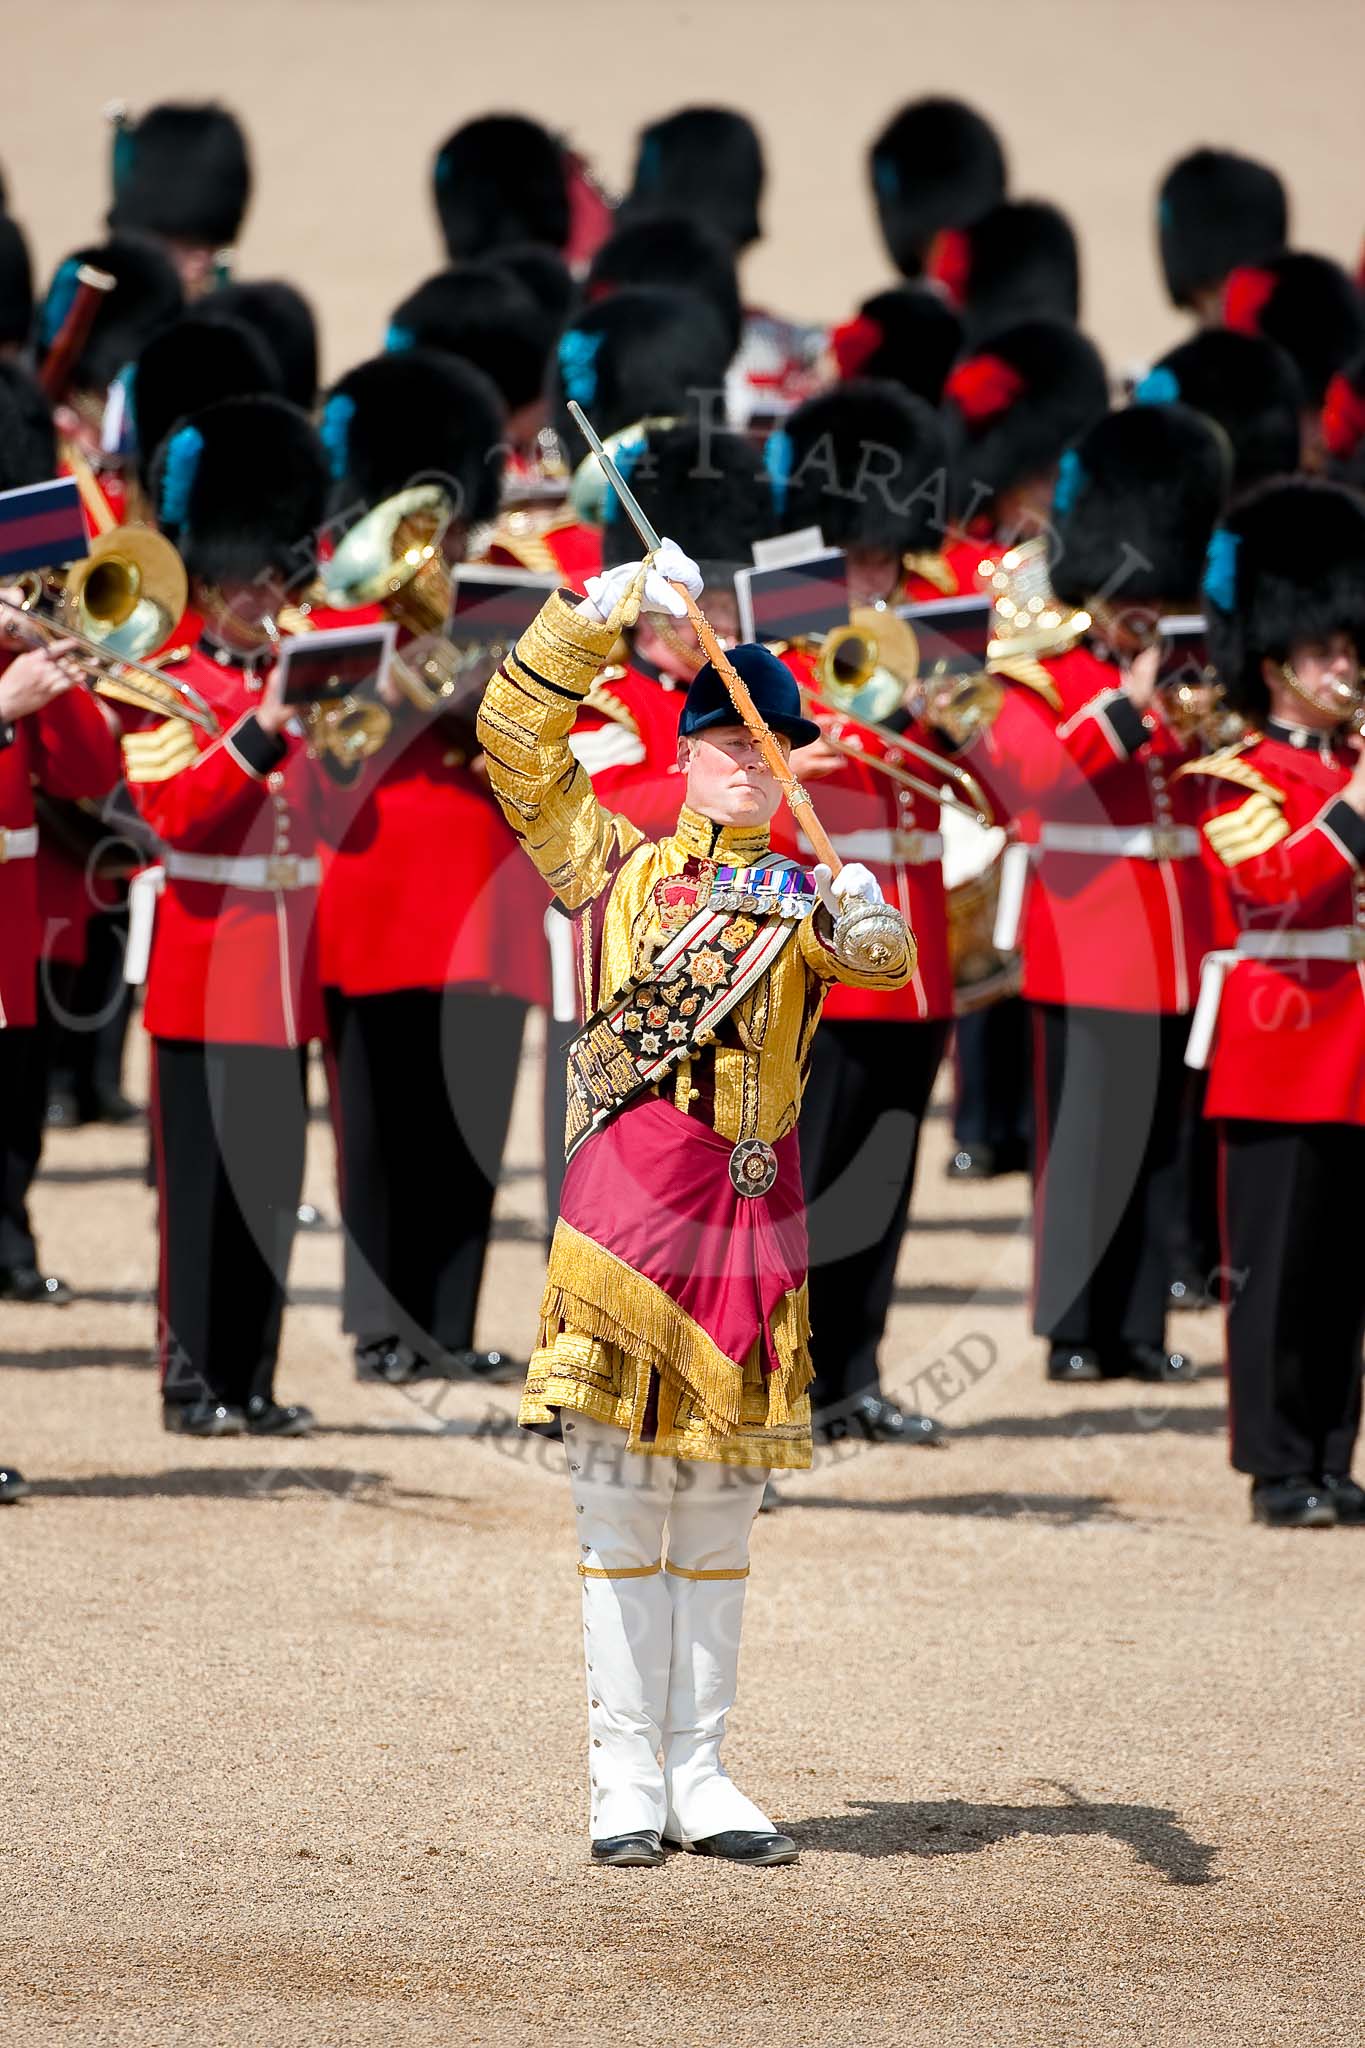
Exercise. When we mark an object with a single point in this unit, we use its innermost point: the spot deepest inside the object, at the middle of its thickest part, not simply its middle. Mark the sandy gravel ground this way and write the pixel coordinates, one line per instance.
(291, 1739)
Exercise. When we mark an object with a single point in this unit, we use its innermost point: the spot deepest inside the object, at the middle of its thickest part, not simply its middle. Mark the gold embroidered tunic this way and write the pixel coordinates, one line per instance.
(746, 1082)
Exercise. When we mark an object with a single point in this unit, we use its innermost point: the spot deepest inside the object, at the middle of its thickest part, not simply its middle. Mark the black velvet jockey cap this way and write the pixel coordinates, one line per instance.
(773, 687)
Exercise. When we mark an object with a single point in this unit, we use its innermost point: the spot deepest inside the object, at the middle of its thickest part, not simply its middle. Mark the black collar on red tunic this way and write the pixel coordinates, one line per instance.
(1327, 745)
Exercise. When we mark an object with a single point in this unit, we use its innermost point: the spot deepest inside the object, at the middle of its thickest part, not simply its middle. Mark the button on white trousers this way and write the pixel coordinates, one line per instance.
(660, 1633)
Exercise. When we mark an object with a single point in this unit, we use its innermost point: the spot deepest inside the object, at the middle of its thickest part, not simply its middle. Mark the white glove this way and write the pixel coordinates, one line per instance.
(669, 566)
(853, 880)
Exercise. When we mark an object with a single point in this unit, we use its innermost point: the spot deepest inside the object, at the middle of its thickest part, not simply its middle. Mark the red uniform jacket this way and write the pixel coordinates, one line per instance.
(564, 547)
(68, 750)
(1100, 930)
(1284, 855)
(626, 736)
(953, 573)
(230, 964)
(871, 819)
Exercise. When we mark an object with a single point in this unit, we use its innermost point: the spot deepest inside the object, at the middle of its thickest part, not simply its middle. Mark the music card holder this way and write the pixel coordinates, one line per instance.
(1184, 650)
(42, 526)
(340, 662)
(796, 601)
(491, 608)
(952, 632)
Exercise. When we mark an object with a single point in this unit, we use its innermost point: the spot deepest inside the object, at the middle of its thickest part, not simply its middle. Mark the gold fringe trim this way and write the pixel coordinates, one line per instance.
(589, 1290)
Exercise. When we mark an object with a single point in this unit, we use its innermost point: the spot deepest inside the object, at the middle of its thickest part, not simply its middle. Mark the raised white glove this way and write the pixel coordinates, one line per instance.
(853, 880)
(669, 566)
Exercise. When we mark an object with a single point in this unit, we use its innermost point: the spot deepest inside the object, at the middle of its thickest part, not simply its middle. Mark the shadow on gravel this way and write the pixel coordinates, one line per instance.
(244, 1482)
(943, 1295)
(72, 1357)
(87, 1176)
(957, 1827)
(1058, 1510)
(976, 1226)
(1082, 1423)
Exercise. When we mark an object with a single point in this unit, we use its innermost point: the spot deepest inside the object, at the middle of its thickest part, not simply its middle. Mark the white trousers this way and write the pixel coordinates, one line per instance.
(660, 1635)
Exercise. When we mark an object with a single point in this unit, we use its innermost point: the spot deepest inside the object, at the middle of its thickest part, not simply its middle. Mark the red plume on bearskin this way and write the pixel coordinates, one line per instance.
(982, 387)
(949, 264)
(1343, 418)
(855, 342)
(1244, 298)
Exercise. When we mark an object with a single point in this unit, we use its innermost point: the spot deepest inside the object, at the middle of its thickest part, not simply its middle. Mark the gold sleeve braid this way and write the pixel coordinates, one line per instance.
(816, 940)
(525, 719)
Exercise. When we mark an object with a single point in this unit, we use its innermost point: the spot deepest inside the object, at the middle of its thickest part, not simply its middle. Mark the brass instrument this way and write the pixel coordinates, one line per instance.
(344, 731)
(393, 557)
(117, 605)
(865, 670)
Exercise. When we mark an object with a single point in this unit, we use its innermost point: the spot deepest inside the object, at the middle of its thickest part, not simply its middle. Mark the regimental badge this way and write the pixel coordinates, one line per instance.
(708, 968)
(753, 1167)
(678, 898)
(737, 934)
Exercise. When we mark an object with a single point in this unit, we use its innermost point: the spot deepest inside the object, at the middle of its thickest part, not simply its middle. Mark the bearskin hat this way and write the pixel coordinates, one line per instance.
(416, 416)
(909, 334)
(500, 179)
(1343, 424)
(191, 365)
(1012, 408)
(1135, 503)
(866, 463)
(16, 285)
(241, 491)
(486, 316)
(704, 490)
(642, 353)
(181, 172)
(706, 163)
(28, 438)
(1308, 305)
(546, 276)
(284, 320)
(146, 297)
(1246, 386)
(670, 249)
(1215, 212)
(1018, 262)
(1283, 568)
(937, 164)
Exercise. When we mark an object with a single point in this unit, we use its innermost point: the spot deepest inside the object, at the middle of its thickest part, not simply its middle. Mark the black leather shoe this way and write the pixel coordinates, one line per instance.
(1161, 1368)
(1347, 1497)
(880, 1421)
(13, 1485)
(390, 1360)
(625, 1852)
(738, 1845)
(63, 1111)
(1074, 1365)
(493, 1366)
(202, 1418)
(270, 1418)
(110, 1106)
(986, 1162)
(27, 1284)
(1190, 1291)
(1295, 1502)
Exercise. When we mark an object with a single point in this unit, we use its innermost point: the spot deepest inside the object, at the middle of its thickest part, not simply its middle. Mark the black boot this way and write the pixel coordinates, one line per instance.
(27, 1284)
(626, 1852)
(202, 1418)
(739, 1845)
(1347, 1497)
(1297, 1501)
(1074, 1365)
(13, 1485)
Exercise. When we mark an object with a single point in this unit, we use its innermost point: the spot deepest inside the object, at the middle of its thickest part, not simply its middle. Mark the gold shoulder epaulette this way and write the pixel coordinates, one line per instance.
(601, 699)
(294, 618)
(936, 569)
(1256, 825)
(159, 753)
(1226, 765)
(1025, 669)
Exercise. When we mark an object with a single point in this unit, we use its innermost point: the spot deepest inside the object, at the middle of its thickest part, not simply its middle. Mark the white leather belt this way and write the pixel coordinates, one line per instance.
(247, 871)
(1122, 842)
(18, 842)
(913, 849)
(1344, 942)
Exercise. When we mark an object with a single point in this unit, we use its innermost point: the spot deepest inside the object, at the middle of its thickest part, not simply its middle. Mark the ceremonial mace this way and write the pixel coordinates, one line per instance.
(798, 798)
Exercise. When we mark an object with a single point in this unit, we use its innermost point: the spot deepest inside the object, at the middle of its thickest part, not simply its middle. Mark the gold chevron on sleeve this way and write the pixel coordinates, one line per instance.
(601, 700)
(1025, 669)
(1252, 829)
(159, 753)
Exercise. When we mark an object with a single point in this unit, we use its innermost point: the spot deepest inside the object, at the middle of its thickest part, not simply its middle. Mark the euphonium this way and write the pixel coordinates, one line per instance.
(393, 557)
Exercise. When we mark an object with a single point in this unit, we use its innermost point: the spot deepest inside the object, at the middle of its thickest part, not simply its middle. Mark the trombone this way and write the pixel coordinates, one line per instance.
(116, 605)
(864, 670)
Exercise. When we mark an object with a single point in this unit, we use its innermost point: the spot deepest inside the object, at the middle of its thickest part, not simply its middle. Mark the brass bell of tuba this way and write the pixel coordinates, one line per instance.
(866, 667)
(127, 593)
(393, 557)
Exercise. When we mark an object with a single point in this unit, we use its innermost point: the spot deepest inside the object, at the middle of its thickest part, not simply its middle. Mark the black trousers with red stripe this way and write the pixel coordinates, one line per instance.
(1294, 1281)
(423, 1081)
(1109, 1174)
(229, 1126)
(861, 1118)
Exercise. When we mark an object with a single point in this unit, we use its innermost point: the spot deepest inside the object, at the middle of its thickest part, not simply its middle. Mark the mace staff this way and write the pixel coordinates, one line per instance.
(798, 798)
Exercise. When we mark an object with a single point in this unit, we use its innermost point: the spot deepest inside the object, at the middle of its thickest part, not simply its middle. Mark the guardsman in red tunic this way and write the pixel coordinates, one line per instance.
(1011, 409)
(865, 462)
(1282, 1005)
(1017, 262)
(182, 178)
(646, 354)
(1115, 917)
(54, 738)
(1216, 211)
(1312, 309)
(487, 315)
(233, 993)
(429, 916)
